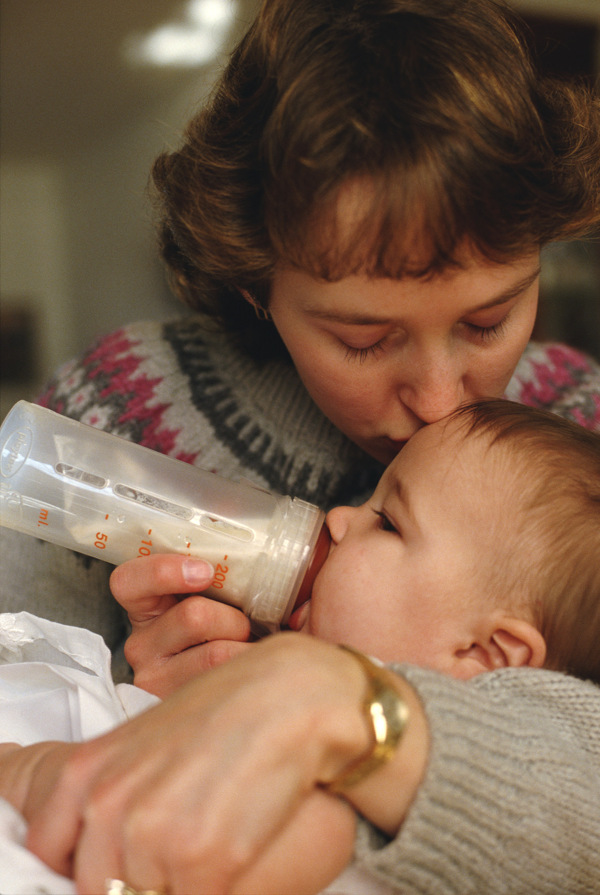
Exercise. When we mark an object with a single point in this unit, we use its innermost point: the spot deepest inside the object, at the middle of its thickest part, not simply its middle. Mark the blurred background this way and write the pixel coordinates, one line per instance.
(91, 91)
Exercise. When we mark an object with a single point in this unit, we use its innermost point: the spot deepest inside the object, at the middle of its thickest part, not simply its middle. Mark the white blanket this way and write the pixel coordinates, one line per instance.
(55, 684)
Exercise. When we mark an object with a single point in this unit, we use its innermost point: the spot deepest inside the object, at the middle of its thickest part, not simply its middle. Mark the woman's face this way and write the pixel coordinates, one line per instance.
(383, 357)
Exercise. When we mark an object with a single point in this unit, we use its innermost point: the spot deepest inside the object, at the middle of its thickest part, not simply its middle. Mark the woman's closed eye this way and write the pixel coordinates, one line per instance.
(487, 333)
(362, 354)
(486, 330)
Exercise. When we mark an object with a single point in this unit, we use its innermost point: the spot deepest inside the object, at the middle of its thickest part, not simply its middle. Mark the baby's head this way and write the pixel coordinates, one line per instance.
(553, 471)
(479, 549)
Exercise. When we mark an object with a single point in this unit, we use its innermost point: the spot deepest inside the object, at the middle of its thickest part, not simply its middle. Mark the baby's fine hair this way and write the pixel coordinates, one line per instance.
(557, 530)
(433, 105)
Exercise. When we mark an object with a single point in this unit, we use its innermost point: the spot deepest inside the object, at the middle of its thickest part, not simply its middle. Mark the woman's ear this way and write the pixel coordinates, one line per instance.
(260, 312)
(503, 643)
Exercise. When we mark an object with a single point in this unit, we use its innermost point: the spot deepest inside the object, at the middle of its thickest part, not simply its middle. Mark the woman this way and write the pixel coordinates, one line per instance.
(367, 195)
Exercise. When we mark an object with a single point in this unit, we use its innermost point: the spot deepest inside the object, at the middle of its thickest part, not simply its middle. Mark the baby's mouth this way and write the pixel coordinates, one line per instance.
(299, 617)
(302, 607)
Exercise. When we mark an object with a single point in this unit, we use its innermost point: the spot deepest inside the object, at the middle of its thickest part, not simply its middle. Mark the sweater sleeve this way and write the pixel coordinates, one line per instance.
(510, 804)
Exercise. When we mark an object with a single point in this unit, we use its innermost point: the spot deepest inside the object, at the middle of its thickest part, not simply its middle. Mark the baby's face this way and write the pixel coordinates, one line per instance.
(406, 568)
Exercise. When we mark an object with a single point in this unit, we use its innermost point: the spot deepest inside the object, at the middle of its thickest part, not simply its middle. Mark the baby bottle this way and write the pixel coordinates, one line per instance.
(96, 493)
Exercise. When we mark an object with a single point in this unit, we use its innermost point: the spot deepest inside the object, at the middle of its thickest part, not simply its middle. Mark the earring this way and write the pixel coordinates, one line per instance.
(260, 312)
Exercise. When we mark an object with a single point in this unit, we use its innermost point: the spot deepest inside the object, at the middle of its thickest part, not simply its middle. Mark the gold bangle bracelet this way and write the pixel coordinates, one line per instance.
(386, 713)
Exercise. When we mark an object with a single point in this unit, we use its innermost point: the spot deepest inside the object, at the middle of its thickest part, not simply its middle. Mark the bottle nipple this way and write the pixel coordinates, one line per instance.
(318, 558)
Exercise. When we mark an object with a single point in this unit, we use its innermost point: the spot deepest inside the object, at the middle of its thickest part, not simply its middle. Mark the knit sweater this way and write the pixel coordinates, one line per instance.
(511, 800)
(510, 804)
(194, 396)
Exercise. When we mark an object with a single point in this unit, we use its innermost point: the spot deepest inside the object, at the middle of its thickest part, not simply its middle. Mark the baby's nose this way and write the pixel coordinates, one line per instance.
(337, 521)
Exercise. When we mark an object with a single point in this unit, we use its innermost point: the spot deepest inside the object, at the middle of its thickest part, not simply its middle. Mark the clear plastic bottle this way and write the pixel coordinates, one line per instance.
(96, 493)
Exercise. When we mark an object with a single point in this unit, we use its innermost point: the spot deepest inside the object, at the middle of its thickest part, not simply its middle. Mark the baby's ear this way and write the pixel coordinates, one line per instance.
(507, 643)
(520, 643)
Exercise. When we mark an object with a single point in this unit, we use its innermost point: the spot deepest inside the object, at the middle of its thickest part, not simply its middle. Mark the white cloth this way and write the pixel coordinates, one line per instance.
(55, 684)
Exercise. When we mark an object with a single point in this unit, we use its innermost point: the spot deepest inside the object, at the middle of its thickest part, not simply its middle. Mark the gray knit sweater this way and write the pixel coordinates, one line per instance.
(511, 801)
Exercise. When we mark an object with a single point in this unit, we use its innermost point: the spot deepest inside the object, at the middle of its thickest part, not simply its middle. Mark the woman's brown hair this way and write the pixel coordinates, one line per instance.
(434, 105)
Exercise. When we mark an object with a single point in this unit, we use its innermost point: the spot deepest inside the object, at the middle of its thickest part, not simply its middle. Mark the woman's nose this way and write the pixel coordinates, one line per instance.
(337, 520)
(433, 388)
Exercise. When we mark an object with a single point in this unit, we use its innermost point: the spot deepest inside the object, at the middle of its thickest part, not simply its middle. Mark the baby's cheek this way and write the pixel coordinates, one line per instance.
(330, 610)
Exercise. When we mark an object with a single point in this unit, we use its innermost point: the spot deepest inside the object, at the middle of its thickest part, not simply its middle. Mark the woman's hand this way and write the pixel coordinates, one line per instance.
(174, 639)
(299, 858)
(189, 797)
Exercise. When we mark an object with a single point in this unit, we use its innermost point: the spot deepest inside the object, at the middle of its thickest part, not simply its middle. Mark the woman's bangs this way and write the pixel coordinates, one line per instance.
(383, 226)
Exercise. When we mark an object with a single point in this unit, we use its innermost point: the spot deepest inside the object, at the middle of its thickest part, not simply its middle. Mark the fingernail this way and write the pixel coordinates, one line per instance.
(197, 572)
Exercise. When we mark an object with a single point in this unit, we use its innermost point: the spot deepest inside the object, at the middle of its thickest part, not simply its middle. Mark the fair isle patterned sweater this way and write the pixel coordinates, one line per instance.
(193, 396)
(511, 800)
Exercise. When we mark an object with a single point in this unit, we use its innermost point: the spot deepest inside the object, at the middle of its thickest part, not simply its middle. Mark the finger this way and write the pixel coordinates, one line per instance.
(119, 845)
(231, 840)
(139, 584)
(151, 862)
(164, 678)
(111, 828)
(97, 859)
(52, 842)
(101, 789)
(187, 623)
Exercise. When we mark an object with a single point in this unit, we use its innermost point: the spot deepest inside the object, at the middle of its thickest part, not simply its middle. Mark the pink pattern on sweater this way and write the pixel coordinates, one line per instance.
(113, 361)
(552, 378)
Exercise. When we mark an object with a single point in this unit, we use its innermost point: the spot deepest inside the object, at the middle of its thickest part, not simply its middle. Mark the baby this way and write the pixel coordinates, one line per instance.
(478, 550)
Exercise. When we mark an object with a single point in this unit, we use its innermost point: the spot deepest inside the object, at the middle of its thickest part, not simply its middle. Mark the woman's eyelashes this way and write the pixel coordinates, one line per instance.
(362, 354)
(490, 331)
(487, 333)
(479, 332)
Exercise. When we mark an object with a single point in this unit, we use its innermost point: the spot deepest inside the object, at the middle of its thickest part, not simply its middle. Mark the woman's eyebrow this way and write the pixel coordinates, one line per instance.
(356, 319)
(510, 292)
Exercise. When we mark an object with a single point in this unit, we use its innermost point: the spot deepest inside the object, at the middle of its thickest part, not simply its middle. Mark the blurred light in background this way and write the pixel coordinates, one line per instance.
(194, 40)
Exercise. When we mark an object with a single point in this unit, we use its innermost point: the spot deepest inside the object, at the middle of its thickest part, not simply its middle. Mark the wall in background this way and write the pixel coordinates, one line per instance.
(567, 43)
(78, 242)
(35, 305)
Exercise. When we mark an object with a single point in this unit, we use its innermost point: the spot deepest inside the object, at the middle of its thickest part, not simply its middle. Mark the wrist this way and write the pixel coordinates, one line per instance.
(385, 796)
(386, 715)
(391, 761)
